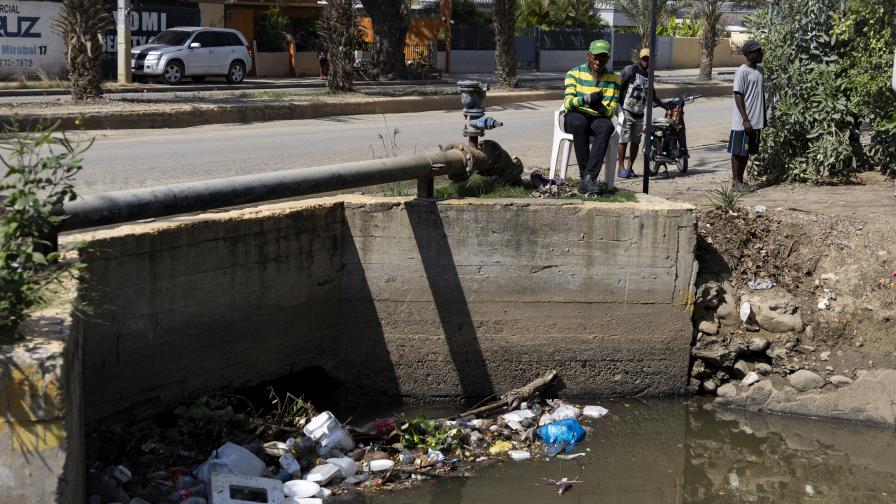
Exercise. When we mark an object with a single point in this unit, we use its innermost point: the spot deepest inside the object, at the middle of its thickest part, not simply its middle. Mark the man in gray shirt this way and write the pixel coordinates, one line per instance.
(748, 116)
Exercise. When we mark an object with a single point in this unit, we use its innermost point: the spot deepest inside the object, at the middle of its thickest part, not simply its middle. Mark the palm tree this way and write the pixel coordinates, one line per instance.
(505, 46)
(711, 16)
(336, 27)
(639, 12)
(81, 24)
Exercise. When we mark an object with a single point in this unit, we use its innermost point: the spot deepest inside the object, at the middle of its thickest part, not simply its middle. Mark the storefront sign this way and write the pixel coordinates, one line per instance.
(28, 43)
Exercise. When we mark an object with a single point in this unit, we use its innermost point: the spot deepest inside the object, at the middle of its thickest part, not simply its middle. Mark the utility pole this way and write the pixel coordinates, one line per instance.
(648, 117)
(123, 42)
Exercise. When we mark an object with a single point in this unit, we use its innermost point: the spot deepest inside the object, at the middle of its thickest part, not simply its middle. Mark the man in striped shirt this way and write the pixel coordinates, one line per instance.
(591, 99)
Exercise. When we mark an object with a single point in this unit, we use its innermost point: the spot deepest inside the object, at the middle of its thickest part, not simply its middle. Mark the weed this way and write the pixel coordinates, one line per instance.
(389, 141)
(274, 95)
(724, 198)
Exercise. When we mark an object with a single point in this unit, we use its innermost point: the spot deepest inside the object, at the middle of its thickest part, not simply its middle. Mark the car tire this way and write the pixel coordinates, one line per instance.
(198, 79)
(236, 73)
(173, 73)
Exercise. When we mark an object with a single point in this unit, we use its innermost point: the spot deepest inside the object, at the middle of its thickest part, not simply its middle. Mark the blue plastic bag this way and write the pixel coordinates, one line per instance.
(561, 435)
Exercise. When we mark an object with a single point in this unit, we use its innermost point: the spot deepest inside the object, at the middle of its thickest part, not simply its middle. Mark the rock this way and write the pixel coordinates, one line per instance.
(776, 312)
(715, 354)
(709, 386)
(825, 356)
(698, 370)
(840, 381)
(693, 386)
(740, 369)
(727, 390)
(804, 380)
(727, 309)
(829, 368)
(763, 369)
(750, 379)
(759, 345)
(709, 327)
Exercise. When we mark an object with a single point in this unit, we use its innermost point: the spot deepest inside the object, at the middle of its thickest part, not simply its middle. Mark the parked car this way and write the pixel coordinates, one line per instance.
(195, 53)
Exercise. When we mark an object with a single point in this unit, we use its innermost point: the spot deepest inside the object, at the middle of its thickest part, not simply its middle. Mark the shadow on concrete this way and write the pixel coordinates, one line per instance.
(450, 301)
(377, 382)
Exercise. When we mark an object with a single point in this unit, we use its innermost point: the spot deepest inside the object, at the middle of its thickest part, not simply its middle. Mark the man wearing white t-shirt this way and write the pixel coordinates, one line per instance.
(748, 116)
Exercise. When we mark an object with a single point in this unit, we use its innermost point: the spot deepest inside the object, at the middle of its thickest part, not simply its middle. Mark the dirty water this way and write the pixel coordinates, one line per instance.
(684, 451)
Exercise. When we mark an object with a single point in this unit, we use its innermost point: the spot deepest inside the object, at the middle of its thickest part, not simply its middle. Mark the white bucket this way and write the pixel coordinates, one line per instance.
(340, 440)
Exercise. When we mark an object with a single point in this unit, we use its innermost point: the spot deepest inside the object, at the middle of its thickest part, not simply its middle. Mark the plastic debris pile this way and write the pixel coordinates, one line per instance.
(324, 458)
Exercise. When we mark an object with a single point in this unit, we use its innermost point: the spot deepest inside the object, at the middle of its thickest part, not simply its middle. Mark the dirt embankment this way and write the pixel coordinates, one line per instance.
(815, 279)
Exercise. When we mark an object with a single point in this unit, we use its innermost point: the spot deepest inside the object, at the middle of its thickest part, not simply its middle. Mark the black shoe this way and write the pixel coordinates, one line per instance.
(588, 185)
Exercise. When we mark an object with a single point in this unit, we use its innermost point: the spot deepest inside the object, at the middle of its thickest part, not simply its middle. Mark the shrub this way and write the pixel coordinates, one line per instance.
(39, 167)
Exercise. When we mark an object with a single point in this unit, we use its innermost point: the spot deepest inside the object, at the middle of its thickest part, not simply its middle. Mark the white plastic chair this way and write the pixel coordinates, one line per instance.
(562, 146)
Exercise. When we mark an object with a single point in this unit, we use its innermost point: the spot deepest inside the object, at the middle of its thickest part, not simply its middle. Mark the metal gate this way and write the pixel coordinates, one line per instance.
(527, 50)
(624, 47)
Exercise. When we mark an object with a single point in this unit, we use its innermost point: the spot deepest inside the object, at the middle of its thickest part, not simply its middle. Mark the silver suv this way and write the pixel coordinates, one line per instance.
(195, 53)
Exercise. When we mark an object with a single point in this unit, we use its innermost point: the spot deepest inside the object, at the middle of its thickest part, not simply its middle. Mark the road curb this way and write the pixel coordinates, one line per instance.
(279, 111)
(191, 88)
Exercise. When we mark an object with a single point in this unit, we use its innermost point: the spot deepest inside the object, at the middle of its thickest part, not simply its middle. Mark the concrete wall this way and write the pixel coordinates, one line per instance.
(205, 302)
(476, 297)
(395, 298)
(686, 53)
(473, 61)
(41, 437)
(559, 61)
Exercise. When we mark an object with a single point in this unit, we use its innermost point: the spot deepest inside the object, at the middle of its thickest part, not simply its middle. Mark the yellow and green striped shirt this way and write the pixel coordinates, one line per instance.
(580, 82)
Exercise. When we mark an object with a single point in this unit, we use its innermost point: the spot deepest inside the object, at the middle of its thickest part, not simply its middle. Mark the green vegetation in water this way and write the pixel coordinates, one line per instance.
(478, 186)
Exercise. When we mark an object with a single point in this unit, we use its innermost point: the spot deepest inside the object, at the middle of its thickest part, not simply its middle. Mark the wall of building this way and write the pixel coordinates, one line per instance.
(473, 62)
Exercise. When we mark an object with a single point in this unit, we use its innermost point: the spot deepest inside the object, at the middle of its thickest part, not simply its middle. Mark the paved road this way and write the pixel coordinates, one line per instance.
(140, 158)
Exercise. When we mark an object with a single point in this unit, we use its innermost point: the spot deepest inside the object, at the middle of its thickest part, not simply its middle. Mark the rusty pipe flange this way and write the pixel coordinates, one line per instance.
(474, 159)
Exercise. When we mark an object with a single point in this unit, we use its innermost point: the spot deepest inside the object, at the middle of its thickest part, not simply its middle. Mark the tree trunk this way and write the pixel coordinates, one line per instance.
(336, 26)
(81, 24)
(390, 27)
(706, 57)
(505, 44)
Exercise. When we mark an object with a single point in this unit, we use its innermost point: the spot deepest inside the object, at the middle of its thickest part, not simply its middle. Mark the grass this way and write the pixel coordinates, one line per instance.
(478, 186)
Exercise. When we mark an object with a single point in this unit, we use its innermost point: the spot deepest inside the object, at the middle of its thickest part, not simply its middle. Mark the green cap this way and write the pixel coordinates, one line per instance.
(599, 47)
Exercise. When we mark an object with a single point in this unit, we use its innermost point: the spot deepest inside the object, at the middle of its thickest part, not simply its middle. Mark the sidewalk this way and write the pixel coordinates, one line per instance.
(537, 80)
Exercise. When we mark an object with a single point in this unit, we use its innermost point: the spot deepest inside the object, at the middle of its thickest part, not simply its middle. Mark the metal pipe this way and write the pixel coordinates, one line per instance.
(135, 204)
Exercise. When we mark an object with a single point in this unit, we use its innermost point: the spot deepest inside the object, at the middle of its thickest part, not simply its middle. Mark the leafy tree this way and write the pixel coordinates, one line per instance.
(390, 27)
(39, 169)
(505, 46)
(467, 13)
(336, 28)
(711, 17)
(639, 12)
(81, 24)
(550, 14)
(827, 76)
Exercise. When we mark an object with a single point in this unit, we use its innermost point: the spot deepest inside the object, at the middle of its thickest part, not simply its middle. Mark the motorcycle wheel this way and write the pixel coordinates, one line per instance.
(654, 165)
(682, 165)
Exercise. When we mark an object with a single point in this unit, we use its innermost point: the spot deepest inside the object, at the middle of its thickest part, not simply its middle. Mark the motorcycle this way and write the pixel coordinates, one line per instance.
(666, 134)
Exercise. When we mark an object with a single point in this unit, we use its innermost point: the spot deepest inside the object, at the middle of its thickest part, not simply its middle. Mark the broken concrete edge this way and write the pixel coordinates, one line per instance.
(278, 111)
(41, 428)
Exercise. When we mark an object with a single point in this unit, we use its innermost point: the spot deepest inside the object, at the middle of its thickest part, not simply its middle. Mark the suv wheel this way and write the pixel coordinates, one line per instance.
(236, 73)
(174, 73)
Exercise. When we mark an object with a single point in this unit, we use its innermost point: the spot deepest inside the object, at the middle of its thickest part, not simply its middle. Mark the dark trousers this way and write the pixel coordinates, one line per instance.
(584, 128)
